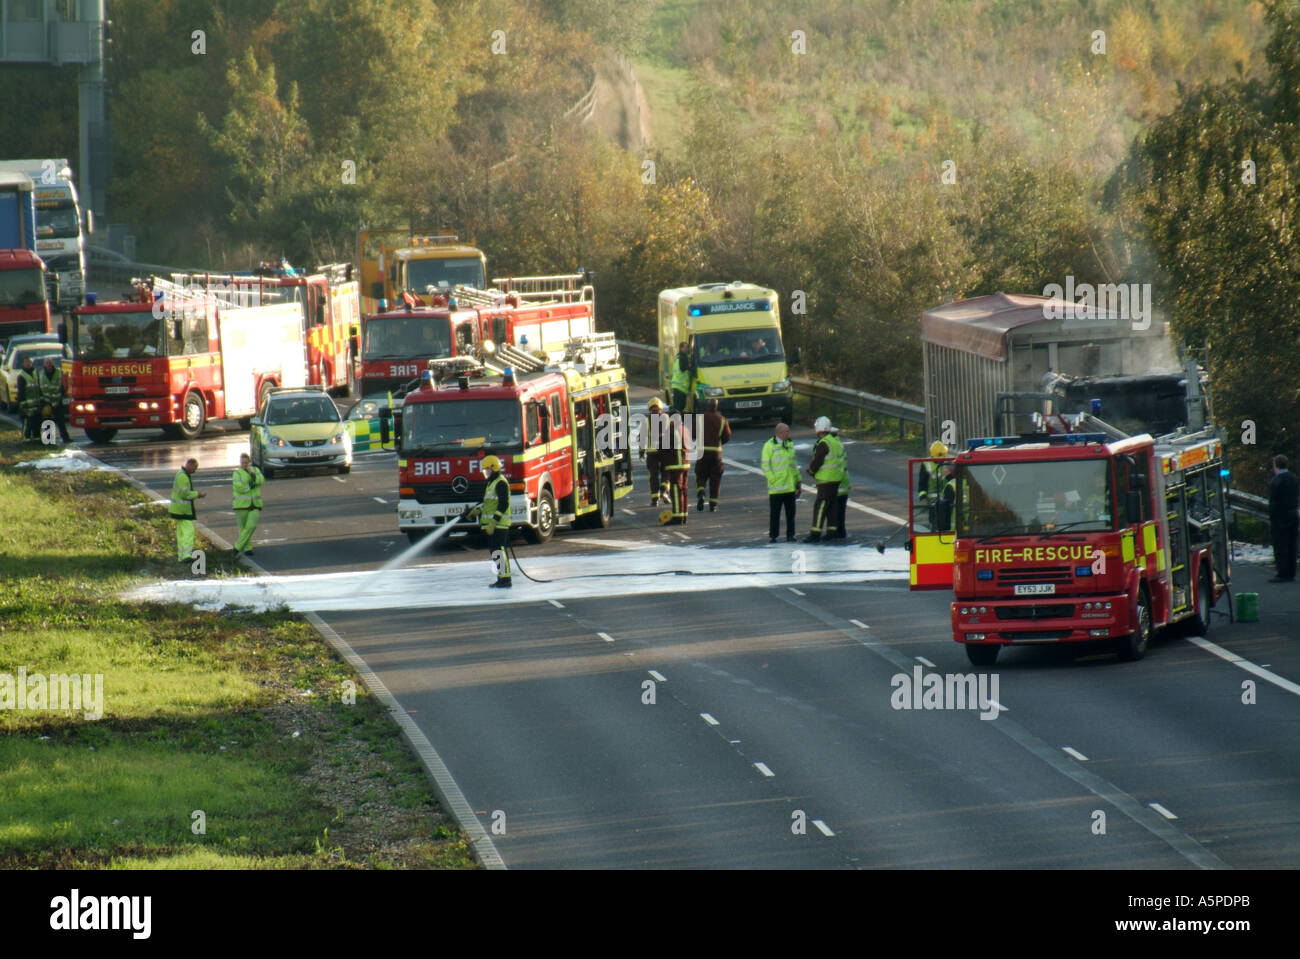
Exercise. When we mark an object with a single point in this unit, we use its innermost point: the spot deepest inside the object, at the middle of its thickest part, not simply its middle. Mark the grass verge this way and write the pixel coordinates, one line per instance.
(236, 722)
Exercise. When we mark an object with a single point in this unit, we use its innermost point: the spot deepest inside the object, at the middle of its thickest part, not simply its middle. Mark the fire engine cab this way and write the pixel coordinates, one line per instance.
(554, 427)
(1074, 537)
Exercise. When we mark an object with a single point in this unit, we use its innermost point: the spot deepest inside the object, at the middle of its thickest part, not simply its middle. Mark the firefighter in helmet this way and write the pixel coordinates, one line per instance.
(828, 469)
(650, 450)
(494, 519)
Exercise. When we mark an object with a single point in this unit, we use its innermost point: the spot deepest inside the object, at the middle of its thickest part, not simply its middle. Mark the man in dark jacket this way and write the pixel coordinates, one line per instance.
(1283, 501)
(708, 468)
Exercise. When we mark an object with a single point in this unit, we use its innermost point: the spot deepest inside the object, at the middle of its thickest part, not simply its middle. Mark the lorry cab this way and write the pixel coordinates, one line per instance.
(734, 332)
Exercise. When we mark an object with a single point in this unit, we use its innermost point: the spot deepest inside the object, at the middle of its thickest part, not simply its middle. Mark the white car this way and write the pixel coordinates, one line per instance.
(36, 345)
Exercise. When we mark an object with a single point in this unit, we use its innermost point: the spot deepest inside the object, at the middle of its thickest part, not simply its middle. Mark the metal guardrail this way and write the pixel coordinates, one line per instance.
(817, 391)
(1248, 503)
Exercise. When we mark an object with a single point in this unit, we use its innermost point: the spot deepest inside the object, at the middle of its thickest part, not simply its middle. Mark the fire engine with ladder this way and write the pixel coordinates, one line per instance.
(538, 314)
(1075, 533)
(328, 305)
(175, 356)
(553, 425)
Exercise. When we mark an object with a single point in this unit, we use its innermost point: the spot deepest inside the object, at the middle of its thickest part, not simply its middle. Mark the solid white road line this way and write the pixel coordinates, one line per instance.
(790, 588)
(1162, 810)
(556, 603)
(709, 719)
(826, 830)
(1075, 753)
(925, 662)
(1246, 664)
(678, 532)
(812, 489)
(658, 675)
(606, 637)
(379, 499)
(761, 767)
(859, 623)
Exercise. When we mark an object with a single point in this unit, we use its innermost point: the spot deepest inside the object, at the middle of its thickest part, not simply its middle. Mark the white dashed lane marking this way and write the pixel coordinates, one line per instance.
(825, 829)
(708, 719)
(762, 767)
(657, 675)
(1162, 810)
(925, 662)
(1075, 753)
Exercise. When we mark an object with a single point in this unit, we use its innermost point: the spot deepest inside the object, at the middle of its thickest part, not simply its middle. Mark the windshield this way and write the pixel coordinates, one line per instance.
(1019, 498)
(21, 287)
(37, 353)
(57, 219)
(303, 409)
(117, 336)
(421, 274)
(462, 426)
(731, 347)
(407, 337)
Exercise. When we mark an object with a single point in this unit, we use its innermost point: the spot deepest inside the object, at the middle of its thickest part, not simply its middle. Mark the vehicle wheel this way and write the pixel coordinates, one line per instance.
(788, 417)
(413, 536)
(1134, 646)
(195, 416)
(982, 655)
(245, 422)
(101, 435)
(267, 472)
(605, 514)
(545, 528)
(1199, 624)
(345, 469)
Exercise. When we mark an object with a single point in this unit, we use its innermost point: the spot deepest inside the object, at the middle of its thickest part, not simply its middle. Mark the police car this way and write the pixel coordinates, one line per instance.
(299, 428)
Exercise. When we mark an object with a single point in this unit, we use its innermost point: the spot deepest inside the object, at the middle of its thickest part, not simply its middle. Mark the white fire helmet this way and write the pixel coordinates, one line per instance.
(823, 425)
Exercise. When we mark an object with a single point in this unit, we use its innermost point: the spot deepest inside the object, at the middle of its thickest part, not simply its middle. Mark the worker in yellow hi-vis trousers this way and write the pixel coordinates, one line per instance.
(182, 509)
(248, 481)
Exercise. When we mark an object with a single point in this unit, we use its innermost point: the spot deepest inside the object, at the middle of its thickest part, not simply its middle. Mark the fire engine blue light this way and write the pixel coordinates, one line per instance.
(92, 299)
(1096, 407)
(1224, 473)
(1083, 571)
(984, 574)
(986, 441)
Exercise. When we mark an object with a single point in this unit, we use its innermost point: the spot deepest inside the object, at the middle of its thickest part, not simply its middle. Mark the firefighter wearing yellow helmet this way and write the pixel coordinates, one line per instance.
(494, 519)
(650, 450)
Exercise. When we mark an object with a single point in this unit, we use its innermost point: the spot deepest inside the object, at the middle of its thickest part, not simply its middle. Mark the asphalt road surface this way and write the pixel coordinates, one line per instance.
(751, 721)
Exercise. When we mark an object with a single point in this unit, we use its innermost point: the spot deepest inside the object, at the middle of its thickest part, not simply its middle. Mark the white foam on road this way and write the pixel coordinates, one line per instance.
(443, 585)
(64, 461)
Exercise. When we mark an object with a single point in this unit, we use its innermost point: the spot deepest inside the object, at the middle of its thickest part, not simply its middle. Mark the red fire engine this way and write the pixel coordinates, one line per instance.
(173, 358)
(1076, 537)
(328, 305)
(533, 313)
(555, 429)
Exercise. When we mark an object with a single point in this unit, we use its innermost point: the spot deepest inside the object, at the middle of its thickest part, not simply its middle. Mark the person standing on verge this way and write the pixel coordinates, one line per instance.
(50, 381)
(1283, 500)
(29, 401)
(182, 509)
(781, 468)
(827, 470)
(708, 468)
(247, 503)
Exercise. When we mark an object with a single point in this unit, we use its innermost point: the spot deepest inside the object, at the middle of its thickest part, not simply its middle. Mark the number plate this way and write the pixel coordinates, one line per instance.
(748, 404)
(117, 389)
(1035, 589)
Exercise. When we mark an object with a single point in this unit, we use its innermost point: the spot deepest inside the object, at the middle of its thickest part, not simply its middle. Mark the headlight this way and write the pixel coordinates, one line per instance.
(781, 386)
(337, 438)
(273, 440)
(711, 391)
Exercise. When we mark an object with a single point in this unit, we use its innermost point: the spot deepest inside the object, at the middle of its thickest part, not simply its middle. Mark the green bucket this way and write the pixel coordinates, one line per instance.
(1248, 607)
